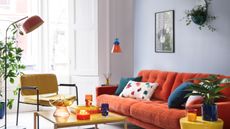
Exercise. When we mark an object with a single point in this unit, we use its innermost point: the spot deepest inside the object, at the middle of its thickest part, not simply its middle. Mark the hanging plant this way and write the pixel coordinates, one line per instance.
(199, 15)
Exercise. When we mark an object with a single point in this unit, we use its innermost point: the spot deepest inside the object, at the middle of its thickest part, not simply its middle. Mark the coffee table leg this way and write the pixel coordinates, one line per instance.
(35, 120)
(55, 126)
(125, 125)
(96, 127)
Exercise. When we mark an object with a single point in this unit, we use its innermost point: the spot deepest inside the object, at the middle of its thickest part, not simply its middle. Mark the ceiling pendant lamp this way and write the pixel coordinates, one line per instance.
(116, 46)
(116, 43)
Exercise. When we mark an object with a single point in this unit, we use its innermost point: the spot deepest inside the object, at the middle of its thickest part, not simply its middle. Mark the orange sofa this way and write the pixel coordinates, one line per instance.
(155, 114)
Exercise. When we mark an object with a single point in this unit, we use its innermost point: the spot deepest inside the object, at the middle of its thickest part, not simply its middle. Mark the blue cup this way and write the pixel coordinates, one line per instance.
(105, 109)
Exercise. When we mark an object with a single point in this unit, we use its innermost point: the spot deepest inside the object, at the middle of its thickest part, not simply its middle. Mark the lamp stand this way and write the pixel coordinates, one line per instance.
(5, 64)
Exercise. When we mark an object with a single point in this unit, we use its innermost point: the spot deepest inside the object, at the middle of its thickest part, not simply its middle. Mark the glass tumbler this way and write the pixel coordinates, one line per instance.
(105, 109)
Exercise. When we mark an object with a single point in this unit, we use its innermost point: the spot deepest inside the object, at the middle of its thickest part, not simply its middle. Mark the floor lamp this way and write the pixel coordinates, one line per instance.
(28, 26)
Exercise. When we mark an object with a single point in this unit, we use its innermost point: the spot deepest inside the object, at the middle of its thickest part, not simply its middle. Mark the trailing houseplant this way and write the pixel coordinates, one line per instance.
(14, 65)
(209, 88)
(200, 16)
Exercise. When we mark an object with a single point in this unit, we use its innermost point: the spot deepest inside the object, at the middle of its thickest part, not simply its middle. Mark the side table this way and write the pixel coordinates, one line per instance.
(200, 124)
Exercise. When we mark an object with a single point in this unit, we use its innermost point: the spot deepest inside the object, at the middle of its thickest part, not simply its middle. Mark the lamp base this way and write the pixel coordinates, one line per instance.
(16, 127)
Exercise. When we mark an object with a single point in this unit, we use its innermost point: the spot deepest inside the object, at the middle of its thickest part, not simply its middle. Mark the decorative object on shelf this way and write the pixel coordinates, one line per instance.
(61, 105)
(164, 32)
(83, 115)
(191, 114)
(107, 78)
(9, 65)
(209, 88)
(88, 100)
(105, 109)
(200, 16)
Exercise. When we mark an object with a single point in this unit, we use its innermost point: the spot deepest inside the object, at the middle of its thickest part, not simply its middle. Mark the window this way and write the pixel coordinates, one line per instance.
(57, 37)
(12, 10)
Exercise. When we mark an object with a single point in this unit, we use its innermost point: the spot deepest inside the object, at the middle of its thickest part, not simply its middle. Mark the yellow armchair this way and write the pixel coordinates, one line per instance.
(38, 89)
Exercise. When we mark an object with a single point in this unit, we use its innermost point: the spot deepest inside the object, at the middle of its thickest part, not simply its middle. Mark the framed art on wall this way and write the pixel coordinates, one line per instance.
(164, 32)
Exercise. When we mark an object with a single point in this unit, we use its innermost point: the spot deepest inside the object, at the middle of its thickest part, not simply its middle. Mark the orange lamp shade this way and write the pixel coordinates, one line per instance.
(116, 46)
(32, 23)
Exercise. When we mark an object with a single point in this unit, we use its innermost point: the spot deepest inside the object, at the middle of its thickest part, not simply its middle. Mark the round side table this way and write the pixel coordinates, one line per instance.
(200, 124)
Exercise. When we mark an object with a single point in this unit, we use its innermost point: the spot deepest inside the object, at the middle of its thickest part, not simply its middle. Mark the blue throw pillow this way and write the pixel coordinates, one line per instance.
(123, 83)
(177, 97)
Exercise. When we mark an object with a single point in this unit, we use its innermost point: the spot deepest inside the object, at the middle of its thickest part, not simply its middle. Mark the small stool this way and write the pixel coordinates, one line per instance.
(200, 124)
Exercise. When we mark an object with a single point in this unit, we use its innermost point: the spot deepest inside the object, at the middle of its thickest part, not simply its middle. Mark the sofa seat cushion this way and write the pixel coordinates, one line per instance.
(116, 103)
(157, 113)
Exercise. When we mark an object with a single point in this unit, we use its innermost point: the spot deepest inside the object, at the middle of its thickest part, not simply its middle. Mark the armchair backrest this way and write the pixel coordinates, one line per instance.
(46, 83)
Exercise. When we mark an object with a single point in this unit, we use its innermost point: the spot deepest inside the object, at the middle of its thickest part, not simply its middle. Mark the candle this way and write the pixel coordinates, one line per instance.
(191, 114)
(88, 100)
(83, 115)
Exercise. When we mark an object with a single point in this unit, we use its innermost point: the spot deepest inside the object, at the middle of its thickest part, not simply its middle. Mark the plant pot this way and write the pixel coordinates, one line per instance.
(209, 112)
(199, 19)
(2, 109)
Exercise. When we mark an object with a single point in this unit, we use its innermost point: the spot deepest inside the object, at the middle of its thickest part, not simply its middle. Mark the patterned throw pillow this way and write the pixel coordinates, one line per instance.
(139, 90)
(192, 100)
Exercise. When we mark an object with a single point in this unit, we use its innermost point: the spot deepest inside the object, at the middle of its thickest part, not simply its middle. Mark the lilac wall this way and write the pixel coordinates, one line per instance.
(195, 50)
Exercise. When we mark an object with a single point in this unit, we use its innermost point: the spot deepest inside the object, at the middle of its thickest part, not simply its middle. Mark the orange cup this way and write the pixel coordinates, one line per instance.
(191, 114)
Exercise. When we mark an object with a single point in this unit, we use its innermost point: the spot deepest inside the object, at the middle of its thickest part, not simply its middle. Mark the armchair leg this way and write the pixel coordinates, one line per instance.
(38, 107)
(77, 95)
(18, 107)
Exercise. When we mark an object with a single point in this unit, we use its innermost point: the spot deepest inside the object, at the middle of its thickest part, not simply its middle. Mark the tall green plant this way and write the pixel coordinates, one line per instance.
(209, 88)
(13, 57)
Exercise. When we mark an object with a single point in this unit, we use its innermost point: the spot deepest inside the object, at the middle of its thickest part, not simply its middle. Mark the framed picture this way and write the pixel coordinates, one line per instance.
(164, 32)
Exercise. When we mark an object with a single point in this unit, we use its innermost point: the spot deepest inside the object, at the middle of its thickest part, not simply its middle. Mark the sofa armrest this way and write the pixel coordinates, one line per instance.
(105, 90)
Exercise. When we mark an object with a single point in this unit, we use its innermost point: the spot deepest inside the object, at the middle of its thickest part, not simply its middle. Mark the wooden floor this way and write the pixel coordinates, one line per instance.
(26, 121)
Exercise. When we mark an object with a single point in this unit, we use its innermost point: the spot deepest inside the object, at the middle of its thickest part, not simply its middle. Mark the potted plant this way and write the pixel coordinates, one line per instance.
(199, 15)
(209, 88)
(14, 65)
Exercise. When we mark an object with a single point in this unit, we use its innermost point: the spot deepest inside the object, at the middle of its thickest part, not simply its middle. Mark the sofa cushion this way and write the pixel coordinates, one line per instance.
(139, 90)
(157, 113)
(177, 97)
(163, 78)
(193, 99)
(116, 103)
(123, 83)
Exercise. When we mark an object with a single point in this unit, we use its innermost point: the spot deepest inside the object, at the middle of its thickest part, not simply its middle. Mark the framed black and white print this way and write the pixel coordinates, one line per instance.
(164, 32)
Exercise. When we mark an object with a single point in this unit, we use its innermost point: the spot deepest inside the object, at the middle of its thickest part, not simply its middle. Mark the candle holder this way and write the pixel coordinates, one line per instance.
(105, 109)
(191, 114)
(88, 100)
(83, 115)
